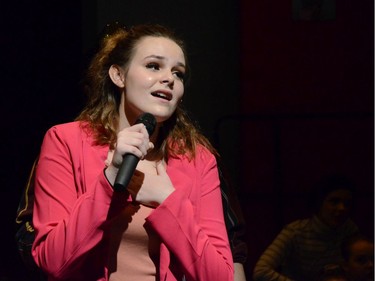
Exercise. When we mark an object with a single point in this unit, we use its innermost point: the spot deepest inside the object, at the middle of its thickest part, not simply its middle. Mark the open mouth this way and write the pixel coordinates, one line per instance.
(162, 95)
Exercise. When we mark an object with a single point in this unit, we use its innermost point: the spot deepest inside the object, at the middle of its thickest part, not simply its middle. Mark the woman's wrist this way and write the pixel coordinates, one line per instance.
(111, 173)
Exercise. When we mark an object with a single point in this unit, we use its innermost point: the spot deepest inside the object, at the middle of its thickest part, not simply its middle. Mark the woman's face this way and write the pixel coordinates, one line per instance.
(154, 78)
(336, 207)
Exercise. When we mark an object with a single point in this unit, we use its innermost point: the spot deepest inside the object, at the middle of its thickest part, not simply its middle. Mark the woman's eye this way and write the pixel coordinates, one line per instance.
(153, 66)
(180, 75)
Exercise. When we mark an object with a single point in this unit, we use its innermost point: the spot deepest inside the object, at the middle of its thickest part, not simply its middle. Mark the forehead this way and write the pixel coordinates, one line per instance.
(342, 194)
(159, 46)
(362, 246)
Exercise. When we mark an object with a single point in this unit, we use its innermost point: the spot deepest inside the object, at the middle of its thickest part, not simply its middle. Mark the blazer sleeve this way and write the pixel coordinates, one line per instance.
(69, 223)
(199, 241)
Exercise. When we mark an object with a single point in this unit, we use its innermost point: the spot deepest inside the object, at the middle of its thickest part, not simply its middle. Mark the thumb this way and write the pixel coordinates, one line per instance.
(160, 168)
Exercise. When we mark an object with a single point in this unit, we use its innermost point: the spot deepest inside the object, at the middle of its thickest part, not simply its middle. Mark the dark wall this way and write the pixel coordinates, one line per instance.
(41, 59)
(307, 92)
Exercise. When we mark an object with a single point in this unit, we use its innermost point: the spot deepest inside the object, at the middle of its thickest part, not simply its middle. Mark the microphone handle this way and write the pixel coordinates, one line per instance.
(125, 173)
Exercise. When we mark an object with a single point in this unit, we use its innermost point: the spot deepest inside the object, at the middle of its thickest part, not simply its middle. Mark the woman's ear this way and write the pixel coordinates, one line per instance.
(117, 75)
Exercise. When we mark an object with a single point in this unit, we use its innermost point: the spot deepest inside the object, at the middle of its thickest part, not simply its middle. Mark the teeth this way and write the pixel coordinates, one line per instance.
(161, 95)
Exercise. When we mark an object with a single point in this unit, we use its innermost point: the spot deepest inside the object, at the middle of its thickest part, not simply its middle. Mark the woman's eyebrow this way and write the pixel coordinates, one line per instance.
(163, 58)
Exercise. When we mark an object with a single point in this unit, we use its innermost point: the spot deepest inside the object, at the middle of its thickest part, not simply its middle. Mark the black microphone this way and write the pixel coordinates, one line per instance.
(130, 161)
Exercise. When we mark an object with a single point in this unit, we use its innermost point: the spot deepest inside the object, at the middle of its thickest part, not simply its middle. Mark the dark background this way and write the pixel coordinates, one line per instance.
(284, 100)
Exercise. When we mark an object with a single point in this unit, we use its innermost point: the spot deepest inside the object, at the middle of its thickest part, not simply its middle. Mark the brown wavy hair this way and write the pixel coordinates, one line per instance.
(100, 117)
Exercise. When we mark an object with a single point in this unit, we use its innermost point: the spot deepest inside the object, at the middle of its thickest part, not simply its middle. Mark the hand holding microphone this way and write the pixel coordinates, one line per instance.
(130, 160)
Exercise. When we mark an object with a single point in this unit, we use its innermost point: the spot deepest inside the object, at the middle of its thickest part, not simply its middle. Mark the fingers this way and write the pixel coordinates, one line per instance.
(134, 140)
(150, 146)
(145, 145)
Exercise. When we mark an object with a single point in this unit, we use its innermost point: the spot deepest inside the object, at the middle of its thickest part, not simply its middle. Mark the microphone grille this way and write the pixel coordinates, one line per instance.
(148, 120)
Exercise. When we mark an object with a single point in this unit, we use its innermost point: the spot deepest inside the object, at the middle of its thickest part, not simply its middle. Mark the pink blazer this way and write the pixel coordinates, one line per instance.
(74, 203)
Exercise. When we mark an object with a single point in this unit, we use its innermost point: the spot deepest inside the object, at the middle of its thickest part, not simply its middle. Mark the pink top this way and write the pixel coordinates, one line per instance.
(76, 208)
(130, 250)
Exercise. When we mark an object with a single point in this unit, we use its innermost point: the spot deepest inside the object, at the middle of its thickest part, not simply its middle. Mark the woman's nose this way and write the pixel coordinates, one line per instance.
(168, 79)
(341, 206)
